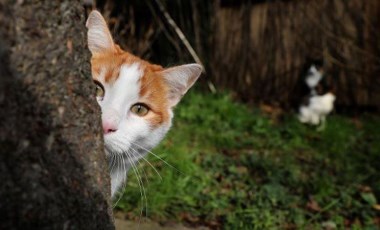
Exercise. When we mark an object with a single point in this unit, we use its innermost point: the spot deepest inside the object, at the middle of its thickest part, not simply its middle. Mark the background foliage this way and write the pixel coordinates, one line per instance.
(243, 170)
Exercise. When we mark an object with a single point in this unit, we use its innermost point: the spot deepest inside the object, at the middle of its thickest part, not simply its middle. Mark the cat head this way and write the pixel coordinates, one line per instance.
(136, 97)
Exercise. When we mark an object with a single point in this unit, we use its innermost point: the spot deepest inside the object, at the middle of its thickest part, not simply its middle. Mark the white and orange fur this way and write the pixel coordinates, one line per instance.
(126, 82)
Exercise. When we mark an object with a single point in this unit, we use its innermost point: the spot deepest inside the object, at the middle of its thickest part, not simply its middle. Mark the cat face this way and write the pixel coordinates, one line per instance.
(136, 97)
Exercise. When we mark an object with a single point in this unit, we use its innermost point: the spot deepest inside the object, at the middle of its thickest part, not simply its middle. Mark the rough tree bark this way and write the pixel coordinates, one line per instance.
(52, 166)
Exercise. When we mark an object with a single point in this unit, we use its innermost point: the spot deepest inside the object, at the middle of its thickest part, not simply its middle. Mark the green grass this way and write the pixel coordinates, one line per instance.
(241, 170)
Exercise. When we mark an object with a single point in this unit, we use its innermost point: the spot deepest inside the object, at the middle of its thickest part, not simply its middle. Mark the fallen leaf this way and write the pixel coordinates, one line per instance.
(242, 170)
(313, 205)
(364, 188)
(328, 225)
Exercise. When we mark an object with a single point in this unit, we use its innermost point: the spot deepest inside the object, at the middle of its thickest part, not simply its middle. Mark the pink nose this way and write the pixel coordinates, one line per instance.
(109, 127)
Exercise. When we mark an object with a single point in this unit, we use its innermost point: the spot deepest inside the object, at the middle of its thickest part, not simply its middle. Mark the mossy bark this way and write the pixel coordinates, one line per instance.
(53, 171)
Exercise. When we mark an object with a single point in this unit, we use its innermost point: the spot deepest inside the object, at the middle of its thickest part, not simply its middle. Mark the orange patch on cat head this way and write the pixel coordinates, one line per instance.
(154, 91)
(112, 61)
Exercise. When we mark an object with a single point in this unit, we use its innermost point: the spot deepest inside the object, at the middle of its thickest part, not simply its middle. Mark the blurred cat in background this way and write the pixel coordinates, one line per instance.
(319, 101)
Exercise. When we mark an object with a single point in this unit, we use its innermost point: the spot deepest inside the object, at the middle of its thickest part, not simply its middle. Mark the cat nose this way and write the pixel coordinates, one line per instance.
(110, 121)
(109, 127)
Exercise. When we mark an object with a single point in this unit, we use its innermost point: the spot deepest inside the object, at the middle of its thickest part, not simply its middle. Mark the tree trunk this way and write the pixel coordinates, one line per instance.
(53, 171)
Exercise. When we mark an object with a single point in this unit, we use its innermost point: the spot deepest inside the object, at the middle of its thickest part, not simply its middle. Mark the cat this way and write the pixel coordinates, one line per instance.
(320, 100)
(136, 98)
(318, 108)
(313, 78)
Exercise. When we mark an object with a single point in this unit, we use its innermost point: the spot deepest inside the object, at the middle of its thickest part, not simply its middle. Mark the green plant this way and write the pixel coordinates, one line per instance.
(233, 167)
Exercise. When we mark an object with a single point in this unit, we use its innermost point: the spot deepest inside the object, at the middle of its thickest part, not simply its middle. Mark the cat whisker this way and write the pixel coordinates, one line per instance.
(133, 157)
(120, 162)
(138, 146)
(117, 176)
(139, 179)
(146, 177)
(147, 181)
(113, 161)
(145, 159)
(154, 168)
(141, 185)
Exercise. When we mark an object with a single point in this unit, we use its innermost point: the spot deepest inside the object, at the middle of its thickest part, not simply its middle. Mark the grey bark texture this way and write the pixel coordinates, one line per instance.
(53, 171)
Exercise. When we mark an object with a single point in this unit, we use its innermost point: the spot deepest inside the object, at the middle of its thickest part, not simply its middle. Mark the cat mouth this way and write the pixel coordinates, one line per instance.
(110, 133)
(113, 148)
(115, 143)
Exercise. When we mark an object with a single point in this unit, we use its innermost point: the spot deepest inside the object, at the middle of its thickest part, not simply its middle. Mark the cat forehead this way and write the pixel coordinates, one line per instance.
(106, 68)
(111, 75)
(126, 88)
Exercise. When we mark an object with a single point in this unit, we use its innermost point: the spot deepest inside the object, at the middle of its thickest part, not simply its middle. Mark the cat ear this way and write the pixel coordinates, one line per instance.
(180, 79)
(99, 38)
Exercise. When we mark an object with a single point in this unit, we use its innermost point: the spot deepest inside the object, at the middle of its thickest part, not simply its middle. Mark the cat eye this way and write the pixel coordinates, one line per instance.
(99, 90)
(140, 109)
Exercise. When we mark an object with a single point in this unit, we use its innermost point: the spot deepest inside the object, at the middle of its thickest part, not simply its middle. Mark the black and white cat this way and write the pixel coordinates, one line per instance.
(319, 101)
